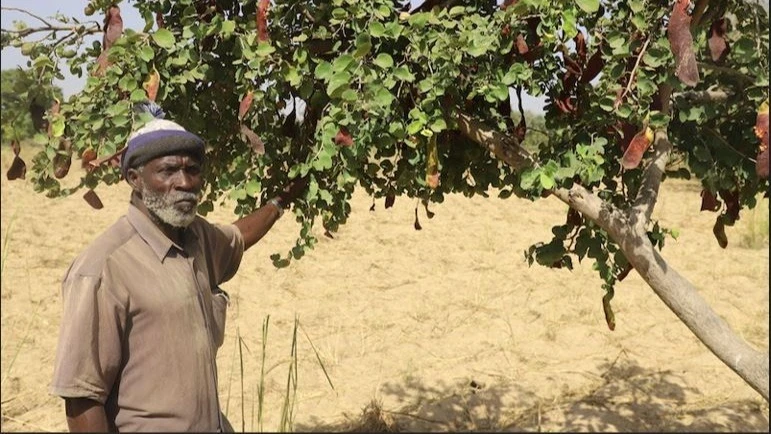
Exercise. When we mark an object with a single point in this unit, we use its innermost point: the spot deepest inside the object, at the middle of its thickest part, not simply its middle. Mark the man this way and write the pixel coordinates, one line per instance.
(143, 313)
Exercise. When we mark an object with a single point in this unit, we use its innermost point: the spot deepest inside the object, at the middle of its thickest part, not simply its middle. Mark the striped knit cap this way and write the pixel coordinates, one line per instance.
(157, 138)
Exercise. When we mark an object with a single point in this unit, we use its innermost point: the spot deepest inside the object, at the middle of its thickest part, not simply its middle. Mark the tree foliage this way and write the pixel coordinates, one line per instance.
(417, 103)
(363, 91)
(24, 103)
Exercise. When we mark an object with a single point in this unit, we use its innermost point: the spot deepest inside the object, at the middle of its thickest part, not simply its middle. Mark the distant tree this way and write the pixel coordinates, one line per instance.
(24, 102)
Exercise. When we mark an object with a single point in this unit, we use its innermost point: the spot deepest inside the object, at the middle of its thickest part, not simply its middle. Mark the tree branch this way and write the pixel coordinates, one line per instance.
(647, 195)
(28, 13)
(620, 99)
(504, 147)
(698, 11)
(709, 96)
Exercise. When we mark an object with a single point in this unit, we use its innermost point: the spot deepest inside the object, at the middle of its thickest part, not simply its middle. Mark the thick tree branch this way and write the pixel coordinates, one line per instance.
(648, 194)
(695, 97)
(504, 147)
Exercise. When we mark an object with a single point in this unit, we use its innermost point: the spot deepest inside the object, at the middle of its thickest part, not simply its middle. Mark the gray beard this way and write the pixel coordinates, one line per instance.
(162, 205)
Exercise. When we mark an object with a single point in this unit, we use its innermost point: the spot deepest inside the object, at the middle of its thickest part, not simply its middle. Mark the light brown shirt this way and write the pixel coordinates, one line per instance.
(143, 318)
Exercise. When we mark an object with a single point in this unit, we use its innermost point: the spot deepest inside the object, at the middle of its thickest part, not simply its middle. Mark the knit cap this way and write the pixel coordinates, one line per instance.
(157, 138)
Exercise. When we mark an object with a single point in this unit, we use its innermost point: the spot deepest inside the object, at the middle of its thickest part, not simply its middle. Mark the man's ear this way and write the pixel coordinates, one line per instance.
(134, 178)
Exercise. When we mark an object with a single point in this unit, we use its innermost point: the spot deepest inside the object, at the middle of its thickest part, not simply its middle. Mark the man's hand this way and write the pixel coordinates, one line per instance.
(292, 191)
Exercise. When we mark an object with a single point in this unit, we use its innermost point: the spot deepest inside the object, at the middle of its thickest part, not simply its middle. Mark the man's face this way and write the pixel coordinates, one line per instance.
(170, 187)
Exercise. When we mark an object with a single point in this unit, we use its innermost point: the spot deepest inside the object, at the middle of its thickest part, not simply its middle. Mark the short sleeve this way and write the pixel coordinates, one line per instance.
(225, 248)
(89, 352)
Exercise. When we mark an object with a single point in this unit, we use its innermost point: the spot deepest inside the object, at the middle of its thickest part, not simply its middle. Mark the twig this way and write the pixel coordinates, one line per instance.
(725, 142)
(698, 11)
(631, 74)
(31, 425)
(414, 416)
(28, 13)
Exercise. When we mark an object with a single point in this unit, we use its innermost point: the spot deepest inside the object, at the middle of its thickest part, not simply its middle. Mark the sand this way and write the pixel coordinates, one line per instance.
(441, 329)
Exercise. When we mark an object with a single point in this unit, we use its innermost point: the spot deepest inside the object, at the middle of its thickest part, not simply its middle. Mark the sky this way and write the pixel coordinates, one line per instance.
(11, 57)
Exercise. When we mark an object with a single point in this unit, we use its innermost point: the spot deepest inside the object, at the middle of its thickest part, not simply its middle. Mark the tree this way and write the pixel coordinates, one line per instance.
(24, 103)
(417, 103)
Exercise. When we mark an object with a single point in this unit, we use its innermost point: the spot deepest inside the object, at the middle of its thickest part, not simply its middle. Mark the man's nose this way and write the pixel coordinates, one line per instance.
(185, 181)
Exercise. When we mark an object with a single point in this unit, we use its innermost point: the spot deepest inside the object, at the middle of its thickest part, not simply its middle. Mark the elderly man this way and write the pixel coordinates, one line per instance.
(143, 312)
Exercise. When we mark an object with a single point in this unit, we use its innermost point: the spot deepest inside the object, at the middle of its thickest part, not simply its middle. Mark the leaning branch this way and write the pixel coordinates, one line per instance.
(648, 193)
(504, 147)
(709, 96)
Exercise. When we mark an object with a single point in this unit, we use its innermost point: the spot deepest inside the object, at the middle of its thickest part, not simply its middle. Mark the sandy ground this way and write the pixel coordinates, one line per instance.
(443, 329)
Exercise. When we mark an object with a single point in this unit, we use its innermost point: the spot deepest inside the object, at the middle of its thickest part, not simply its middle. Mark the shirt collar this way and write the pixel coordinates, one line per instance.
(152, 234)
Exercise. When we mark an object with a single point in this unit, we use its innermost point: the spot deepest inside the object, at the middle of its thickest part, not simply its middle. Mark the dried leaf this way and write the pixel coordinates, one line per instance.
(63, 159)
(37, 112)
(761, 164)
(521, 45)
(593, 67)
(731, 200)
(18, 169)
(262, 20)
(709, 202)
(719, 231)
(113, 27)
(610, 319)
(254, 140)
(159, 20)
(580, 41)
(151, 84)
(389, 200)
(432, 164)
(15, 147)
(430, 214)
(246, 102)
(625, 272)
(718, 45)
(87, 157)
(93, 199)
(343, 137)
(574, 218)
(634, 153)
(681, 41)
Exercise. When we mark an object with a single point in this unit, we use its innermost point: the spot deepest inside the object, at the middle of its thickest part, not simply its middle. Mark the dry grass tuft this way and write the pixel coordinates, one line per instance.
(374, 419)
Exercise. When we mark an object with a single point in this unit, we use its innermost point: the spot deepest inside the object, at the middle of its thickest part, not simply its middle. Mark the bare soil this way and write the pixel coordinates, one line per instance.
(441, 329)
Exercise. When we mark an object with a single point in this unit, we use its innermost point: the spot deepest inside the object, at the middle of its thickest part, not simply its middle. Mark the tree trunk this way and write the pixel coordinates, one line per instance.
(628, 230)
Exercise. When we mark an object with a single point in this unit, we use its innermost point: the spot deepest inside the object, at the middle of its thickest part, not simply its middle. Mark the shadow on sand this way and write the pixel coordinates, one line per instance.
(626, 398)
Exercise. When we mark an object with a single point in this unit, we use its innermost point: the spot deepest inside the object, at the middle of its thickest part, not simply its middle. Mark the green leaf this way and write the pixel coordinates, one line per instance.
(253, 188)
(264, 49)
(349, 95)
(138, 95)
(228, 27)
(547, 181)
(589, 6)
(363, 45)
(341, 63)
(323, 71)
(383, 60)
(403, 73)
(164, 38)
(57, 127)
(338, 82)
(146, 53)
(377, 29)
